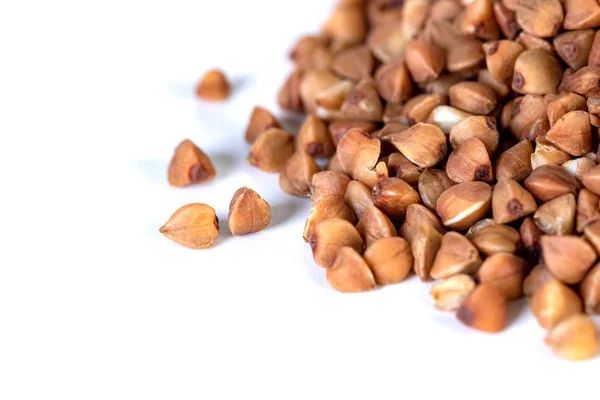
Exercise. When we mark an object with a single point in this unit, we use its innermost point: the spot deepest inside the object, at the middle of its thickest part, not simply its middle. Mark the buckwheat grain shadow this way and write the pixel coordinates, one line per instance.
(224, 163)
(515, 310)
(224, 232)
(182, 90)
(154, 170)
(291, 122)
(238, 84)
(287, 210)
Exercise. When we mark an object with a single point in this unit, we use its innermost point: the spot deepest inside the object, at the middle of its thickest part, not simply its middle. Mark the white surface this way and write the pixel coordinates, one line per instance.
(96, 304)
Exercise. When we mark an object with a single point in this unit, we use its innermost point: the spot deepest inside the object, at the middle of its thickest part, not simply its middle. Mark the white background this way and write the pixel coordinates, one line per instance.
(96, 304)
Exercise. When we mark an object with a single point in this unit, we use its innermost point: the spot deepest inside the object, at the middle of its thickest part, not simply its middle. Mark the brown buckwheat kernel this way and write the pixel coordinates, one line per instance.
(195, 226)
(349, 272)
(248, 212)
(390, 260)
(213, 86)
(329, 237)
(485, 309)
(189, 165)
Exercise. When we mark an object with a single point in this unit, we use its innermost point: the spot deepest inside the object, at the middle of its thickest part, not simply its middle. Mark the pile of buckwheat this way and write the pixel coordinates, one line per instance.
(462, 138)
